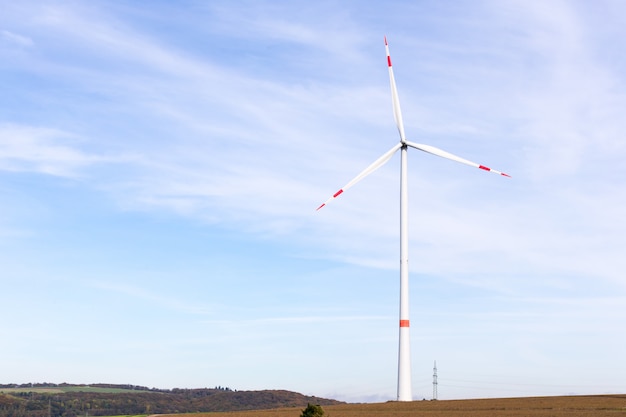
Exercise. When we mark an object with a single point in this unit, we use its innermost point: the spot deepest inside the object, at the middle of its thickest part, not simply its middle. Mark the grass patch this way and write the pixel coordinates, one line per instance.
(47, 390)
(72, 388)
(87, 388)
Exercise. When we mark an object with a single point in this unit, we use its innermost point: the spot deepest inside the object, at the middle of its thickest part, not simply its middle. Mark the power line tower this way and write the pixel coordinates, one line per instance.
(435, 381)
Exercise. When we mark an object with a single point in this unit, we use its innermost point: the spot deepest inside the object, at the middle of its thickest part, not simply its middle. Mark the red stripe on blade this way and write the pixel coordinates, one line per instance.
(404, 323)
(337, 193)
(485, 168)
(388, 60)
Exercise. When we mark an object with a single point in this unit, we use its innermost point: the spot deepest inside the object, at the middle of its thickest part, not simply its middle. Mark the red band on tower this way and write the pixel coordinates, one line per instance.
(404, 323)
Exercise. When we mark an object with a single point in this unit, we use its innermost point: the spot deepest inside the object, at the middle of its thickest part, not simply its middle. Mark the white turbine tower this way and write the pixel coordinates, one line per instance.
(404, 350)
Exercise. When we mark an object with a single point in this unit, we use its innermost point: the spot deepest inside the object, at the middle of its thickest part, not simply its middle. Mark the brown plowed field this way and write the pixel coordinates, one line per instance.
(575, 406)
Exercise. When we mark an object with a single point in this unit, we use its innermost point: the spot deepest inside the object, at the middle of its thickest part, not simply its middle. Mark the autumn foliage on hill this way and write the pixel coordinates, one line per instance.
(39, 403)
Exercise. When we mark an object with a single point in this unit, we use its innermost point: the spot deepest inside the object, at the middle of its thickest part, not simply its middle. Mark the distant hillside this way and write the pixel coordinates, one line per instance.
(65, 400)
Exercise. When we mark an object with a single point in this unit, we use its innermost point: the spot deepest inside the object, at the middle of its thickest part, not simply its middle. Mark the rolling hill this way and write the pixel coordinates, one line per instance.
(66, 400)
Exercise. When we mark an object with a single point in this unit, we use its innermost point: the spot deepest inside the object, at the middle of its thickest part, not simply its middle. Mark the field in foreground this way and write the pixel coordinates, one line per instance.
(574, 406)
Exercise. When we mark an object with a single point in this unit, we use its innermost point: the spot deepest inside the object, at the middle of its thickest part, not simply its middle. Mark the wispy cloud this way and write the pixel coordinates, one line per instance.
(302, 320)
(44, 150)
(159, 300)
(16, 39)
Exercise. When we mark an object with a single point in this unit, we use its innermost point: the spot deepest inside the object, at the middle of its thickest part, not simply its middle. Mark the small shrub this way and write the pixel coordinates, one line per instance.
(312, 411)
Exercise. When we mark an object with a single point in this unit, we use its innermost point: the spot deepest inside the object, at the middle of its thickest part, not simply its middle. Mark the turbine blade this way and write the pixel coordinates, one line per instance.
(448, 155)
(373, 167)
(397, 114)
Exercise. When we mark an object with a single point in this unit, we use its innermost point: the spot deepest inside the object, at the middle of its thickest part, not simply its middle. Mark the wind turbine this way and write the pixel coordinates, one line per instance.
(404, 349)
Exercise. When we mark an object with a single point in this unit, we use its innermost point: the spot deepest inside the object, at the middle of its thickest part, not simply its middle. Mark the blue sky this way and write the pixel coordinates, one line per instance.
(160, 166)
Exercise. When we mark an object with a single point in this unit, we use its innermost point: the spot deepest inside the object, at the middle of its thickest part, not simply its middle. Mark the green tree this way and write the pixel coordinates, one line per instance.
(312, 411)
